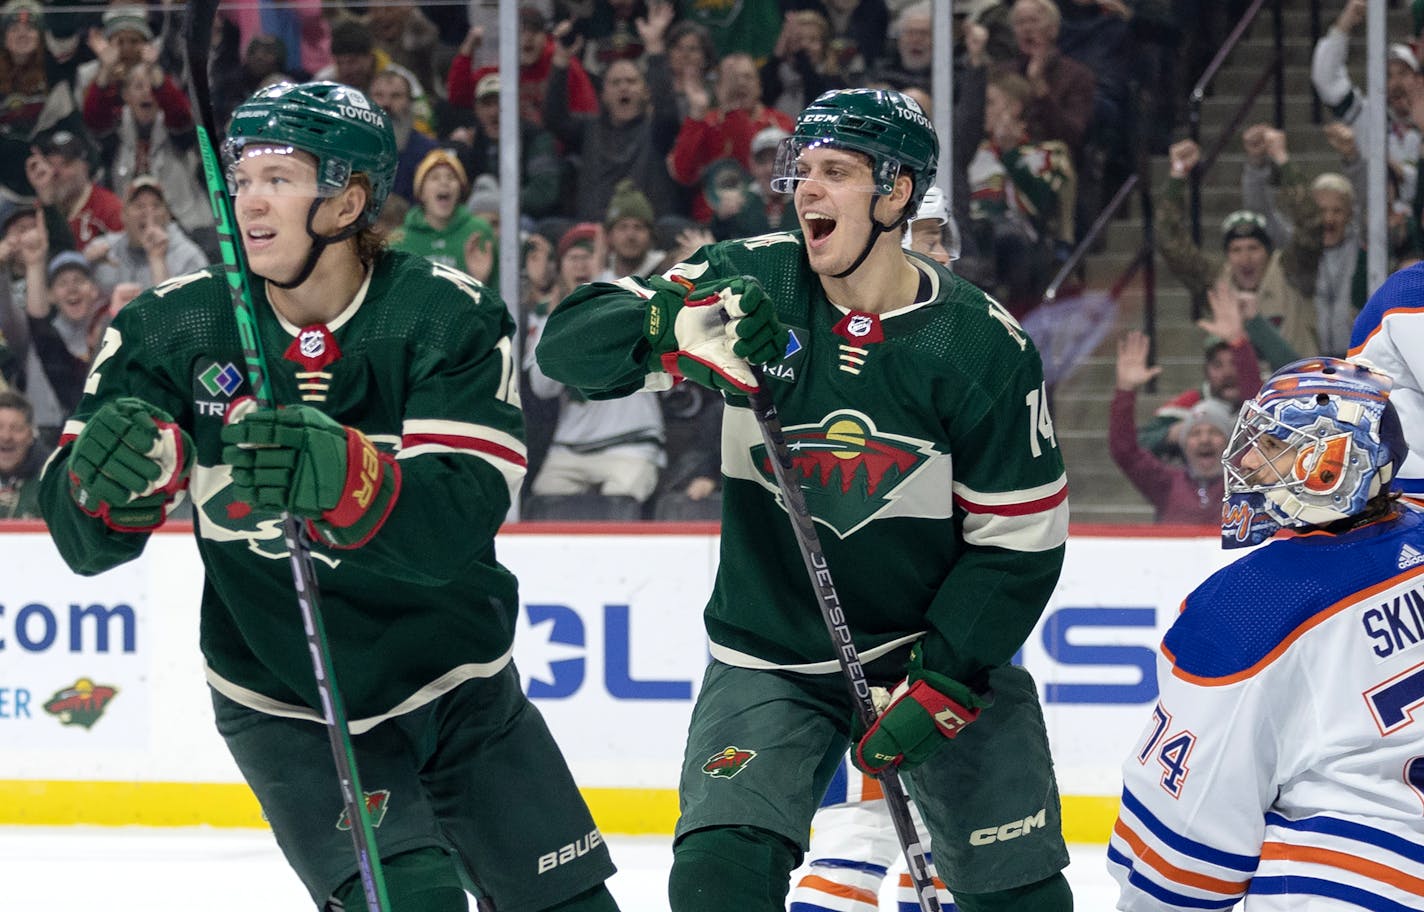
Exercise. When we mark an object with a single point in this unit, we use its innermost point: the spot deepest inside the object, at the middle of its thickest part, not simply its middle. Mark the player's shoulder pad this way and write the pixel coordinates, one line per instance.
(419, 296)
(204, 288)
(1249, 613)
(1403, 291)
(966, 326)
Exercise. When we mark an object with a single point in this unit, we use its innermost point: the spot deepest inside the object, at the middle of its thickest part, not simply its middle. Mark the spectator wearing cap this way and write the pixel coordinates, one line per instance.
(536, 56)
(541, 170)
(355, 61)
(780, 214)
(53, 346)
(22, 456)
(393, 92)
(151, 248)
(34, 98)
(628, 227)
(1330, 75)
(631, 134)
(724, 131)
(1189, 493)
(437, 227)
(1274, 282)
(1320, 217)
(610, 447)
(59, 169)
(123, 41)
(301, 26)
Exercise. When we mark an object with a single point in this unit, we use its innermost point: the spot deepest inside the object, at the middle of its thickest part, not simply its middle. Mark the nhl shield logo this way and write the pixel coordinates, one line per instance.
(727, 762)
(312, 343)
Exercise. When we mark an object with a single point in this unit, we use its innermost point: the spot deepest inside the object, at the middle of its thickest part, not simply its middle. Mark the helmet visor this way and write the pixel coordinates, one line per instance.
(801, 159)
(271, 169)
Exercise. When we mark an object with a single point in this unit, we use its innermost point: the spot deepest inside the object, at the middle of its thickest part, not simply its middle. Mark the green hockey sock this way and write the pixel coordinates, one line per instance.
(722, 868)
(1048, 895)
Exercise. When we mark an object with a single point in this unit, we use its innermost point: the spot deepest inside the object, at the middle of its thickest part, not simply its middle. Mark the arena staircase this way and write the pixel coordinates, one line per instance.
(1098, 491)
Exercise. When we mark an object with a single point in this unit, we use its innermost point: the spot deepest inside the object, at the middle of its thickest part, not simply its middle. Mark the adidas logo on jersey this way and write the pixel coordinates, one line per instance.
(1410, 556)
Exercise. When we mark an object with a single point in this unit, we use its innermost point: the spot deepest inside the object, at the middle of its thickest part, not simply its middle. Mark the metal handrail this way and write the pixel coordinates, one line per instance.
(1099, 225)
(1198, 93)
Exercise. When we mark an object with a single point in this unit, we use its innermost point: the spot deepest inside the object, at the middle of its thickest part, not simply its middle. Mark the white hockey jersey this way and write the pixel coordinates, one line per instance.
(1284, 763)
(1389, 335)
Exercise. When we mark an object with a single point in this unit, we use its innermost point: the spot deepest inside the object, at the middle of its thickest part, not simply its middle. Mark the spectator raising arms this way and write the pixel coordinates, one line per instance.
(33, 98)
(536, 56)
(723, 131)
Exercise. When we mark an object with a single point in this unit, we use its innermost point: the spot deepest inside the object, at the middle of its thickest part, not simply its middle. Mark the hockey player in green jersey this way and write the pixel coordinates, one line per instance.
(916, 414)
(398, 443)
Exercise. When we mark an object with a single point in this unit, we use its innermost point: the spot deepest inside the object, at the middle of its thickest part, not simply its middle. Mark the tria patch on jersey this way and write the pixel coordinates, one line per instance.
(727, 762)
(788, 366)
(848, 468)
(221, 379)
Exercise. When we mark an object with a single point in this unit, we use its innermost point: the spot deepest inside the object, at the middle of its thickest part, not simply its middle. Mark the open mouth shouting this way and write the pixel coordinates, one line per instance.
(819, 228)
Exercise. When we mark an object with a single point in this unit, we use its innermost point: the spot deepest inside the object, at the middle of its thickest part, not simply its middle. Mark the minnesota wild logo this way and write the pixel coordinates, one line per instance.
(80, 703)
(223, 518)
(377, 803)
(728, 761)
(848, 468)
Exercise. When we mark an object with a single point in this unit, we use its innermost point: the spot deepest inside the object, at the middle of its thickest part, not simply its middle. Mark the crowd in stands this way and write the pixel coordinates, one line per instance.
(648, 128)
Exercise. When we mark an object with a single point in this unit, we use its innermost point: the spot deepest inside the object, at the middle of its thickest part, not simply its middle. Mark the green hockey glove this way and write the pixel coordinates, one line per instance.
(128, 463)
(925, 711)
(708, 333)
(298, 460)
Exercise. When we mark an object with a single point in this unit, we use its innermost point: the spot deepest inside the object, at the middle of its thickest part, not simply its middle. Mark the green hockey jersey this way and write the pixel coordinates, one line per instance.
(420, 362)
(921, 438)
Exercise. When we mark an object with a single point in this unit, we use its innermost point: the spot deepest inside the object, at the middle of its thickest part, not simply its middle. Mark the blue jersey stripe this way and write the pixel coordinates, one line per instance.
(1295, 885)
(1159, 892)
(1243, 863)
(845, 864)
(1348, 829)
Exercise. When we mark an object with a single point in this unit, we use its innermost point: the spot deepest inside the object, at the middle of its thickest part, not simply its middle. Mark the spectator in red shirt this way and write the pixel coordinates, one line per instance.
(536, 52)
(59, 170)
(724, 131)
(1188, 493)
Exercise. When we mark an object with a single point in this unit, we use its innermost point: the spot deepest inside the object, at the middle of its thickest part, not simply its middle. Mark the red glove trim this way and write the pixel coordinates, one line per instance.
(179, 479)
(949, 715)
(103, 514)
(363, 480)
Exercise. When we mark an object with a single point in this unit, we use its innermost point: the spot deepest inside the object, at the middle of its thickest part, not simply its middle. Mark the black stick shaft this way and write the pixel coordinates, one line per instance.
(809, 542)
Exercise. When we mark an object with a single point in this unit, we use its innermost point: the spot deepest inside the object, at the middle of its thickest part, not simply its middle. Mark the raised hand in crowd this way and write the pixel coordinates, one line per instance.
(567, 43)
(652, 29)
(479, 256)
(688, 242)
(976, 43)
(1184, 156)
(110, 70)
(1341, 137)
(1227, 319)
(1275, 143)
(1351, 15)
(1133, 371)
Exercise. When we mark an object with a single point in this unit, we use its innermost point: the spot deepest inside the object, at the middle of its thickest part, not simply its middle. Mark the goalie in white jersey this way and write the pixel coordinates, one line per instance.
(1284, 763)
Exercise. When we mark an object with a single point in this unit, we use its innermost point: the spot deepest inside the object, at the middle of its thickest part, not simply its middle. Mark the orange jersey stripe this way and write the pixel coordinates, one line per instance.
(1356, 349)
(1280, 851)
(1172, 872)
(822, 885)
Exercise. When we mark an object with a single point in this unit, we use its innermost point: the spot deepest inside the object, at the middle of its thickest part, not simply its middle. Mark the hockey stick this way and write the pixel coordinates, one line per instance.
(804, 527)
(197, 35)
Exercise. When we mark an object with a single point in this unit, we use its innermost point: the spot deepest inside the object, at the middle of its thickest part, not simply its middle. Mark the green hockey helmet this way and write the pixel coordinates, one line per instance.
(890, 127)
(335, 123)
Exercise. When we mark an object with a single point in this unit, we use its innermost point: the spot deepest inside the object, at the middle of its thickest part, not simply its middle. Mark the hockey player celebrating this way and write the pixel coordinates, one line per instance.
(398, 409)
(1283, 761)
(915, 408)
